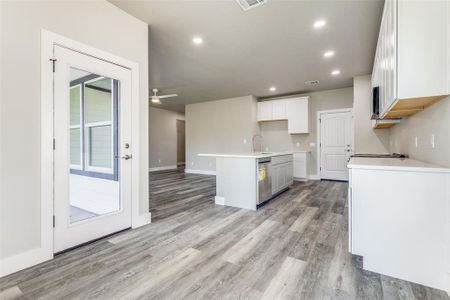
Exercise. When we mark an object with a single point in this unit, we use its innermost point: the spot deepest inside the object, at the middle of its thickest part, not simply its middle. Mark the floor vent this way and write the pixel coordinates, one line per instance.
(248, 4)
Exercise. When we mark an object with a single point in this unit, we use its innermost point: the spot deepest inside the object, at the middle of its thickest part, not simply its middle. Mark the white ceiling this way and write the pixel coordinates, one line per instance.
(244, 53)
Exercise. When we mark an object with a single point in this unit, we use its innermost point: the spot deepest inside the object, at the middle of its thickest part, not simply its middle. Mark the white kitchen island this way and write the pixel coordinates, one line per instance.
(239, 179)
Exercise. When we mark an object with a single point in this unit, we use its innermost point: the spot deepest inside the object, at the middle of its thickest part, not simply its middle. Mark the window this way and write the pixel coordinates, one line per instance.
(93, 127)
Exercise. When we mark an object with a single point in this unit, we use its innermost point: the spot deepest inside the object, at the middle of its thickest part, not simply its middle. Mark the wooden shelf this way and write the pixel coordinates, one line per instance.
(408, 107)
(384, 123)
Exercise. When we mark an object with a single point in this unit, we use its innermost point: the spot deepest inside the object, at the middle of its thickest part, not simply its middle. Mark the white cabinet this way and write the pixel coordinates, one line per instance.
(279, 110)
(265, 111)
(404, 221)
(298, 115)
(411, 66)
(294, 110)
(281, 172)
(301, 162)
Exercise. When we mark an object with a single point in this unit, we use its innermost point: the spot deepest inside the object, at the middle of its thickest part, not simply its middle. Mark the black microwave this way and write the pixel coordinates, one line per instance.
(375, 102)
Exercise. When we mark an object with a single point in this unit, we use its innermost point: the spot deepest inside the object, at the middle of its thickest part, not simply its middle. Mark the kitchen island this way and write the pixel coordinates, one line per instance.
(246, 180)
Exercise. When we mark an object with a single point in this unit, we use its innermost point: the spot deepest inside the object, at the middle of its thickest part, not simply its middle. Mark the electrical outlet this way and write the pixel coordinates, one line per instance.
(416, 142)
(297, 144)
(245, 141)
(159, 161)
(267, 149)
(192, 163)
(312, 145)
(433, 144)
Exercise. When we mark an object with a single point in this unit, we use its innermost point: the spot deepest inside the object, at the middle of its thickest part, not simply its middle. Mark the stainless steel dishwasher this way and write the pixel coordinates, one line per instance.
(264, 180)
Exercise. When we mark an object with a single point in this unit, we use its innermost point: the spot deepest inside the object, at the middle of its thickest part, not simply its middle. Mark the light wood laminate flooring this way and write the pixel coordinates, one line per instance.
(294, 247)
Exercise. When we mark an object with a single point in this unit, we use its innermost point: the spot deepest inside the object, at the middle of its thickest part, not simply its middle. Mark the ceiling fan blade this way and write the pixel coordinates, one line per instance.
(167, 96)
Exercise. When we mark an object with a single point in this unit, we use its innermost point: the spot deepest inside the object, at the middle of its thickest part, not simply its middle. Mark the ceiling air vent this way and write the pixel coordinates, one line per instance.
(312, 82)
(248, 4)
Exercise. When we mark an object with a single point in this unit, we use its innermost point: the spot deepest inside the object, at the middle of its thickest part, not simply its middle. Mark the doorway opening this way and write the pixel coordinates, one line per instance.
(181, 143)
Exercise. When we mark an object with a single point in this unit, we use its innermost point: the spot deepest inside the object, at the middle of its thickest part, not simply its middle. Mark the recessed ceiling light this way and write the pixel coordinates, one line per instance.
(272, 89)
(335, 72)
(197, 40)
(328, 54)
(319, 23)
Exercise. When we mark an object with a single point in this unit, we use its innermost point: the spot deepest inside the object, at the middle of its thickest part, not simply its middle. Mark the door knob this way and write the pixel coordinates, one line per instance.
(126, 157)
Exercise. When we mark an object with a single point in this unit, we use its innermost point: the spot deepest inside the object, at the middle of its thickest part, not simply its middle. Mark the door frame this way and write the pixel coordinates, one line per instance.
(319, 138)
(48, 41)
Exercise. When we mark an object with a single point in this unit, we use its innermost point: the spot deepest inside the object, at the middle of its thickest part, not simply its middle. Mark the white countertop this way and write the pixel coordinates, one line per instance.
(394, 164)
(246, 155)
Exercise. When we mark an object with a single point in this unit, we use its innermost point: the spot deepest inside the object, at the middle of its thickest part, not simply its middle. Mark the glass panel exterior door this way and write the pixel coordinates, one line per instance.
(92, 105)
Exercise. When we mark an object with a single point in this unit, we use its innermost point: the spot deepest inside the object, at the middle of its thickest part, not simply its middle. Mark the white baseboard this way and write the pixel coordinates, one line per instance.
(314, 177)
(219, 200)
(141, 220)
(173, 167)
(12, 264)
(300, 179)
(203, 172)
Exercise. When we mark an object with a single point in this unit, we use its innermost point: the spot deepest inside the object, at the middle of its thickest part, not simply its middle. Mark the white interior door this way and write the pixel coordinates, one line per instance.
(336, 144)
(92, 131)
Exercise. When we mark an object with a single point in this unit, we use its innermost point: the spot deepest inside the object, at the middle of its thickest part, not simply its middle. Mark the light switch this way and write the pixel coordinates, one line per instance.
(416, 143)
(245, 141)
(433, 144)
(159, 161)
(192, 163)
(312, 145)
(297, 144)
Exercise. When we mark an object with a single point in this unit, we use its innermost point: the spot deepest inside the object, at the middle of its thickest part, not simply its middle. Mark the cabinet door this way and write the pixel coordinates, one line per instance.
(299, 167)
(289, 173)
(281, 176)
(297, 111)
(275, 171)
(265, 111)
(279, 110)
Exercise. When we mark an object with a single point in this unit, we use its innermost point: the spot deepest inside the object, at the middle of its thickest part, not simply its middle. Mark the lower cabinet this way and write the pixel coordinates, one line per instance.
(301, 160)
(282, 176)
(401, 229)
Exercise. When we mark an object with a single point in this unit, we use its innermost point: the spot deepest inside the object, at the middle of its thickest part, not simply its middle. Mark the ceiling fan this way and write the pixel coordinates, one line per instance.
(156, 99)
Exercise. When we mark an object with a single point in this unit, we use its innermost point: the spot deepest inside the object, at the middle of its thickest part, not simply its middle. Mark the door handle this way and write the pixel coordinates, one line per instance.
(127, 157)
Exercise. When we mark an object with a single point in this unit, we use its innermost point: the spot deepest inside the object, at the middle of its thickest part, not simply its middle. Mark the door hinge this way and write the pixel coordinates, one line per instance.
(53, 60)
(54, 222)
(54, 144)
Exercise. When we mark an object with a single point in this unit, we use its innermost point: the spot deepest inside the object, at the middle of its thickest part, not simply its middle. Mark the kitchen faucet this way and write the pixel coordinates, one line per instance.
(253, 142)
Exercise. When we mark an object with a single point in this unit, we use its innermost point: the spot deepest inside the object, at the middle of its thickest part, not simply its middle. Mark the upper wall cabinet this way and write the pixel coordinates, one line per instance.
(294, 110)
(412, 61)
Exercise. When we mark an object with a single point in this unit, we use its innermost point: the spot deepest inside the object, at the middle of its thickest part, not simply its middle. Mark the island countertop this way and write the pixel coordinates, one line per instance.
(254, 155)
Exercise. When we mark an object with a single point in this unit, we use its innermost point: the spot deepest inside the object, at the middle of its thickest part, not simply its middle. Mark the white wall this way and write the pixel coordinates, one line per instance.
(433, 120)
(219, 127)
(367, 139)
(95, 23)
(277, 138)
(163, 137)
